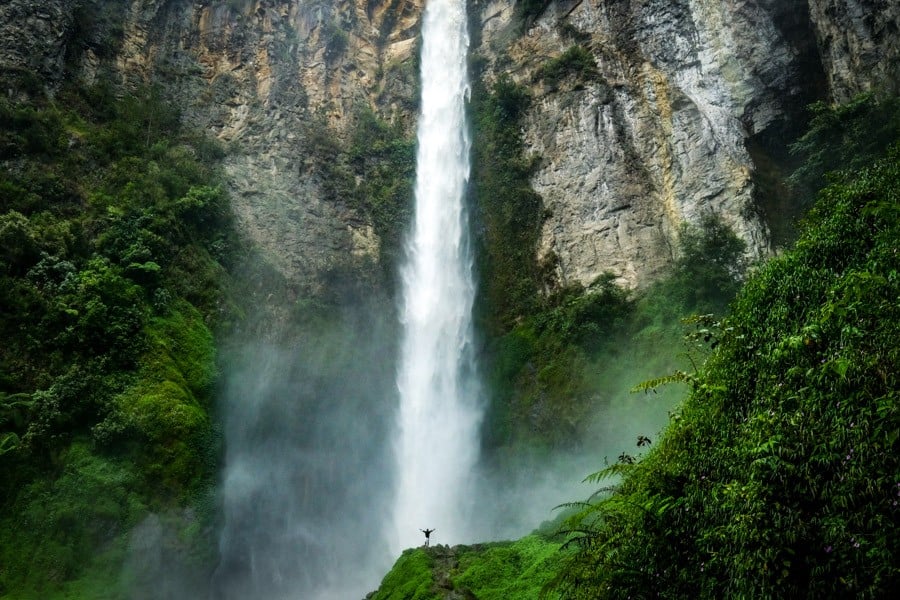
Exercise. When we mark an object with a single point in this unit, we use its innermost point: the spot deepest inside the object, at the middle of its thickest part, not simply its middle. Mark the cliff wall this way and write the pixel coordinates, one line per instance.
(657, 136)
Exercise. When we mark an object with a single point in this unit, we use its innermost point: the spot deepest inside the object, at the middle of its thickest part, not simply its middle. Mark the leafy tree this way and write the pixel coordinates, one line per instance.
(844, 137)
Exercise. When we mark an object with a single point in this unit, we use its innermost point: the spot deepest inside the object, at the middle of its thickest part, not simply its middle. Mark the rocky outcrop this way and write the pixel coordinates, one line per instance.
(269, 78)
(34, 37)
(266, 77)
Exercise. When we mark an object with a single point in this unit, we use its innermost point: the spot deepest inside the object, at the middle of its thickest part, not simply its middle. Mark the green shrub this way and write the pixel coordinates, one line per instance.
(56, 524)
(495, 571)
(409, 579)
(844, 137)
(576, 62)
(498, 571)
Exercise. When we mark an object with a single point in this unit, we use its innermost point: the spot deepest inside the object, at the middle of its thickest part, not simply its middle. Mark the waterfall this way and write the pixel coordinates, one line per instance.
(439, 414)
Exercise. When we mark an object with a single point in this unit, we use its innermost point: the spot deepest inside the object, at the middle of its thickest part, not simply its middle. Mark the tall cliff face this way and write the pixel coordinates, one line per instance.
(274, 80)
(859, 41)
(659, 135)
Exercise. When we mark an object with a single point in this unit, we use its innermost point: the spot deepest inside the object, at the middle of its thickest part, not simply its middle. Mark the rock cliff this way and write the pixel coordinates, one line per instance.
(271, 79)
(659, 134)
(656, 136)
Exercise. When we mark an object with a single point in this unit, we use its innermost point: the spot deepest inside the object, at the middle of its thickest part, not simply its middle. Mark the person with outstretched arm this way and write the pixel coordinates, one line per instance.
(427, 533)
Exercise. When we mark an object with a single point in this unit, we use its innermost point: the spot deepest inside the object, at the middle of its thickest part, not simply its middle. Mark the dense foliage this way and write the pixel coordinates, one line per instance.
(508, 213)
(845, 136)
(779, 477)
(577, 62)
(113, 233)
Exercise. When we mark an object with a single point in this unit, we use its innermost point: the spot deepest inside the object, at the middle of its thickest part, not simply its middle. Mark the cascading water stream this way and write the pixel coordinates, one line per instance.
(439, 415)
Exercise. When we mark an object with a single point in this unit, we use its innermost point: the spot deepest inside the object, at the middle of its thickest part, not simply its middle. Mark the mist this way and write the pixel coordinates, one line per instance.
(523, 487)
(308, 405)
(307, 475)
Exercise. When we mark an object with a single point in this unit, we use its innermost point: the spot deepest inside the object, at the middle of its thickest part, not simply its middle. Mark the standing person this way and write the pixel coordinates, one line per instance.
(427, 533)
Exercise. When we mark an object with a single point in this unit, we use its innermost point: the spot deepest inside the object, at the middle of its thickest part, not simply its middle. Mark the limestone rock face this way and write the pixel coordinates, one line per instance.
(273, 80)
(860, 44)
(34, 36)
(659, 136)
(270, 78)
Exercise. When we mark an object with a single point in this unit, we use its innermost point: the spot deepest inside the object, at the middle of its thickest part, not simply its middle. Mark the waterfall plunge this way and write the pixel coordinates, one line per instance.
(439, 415)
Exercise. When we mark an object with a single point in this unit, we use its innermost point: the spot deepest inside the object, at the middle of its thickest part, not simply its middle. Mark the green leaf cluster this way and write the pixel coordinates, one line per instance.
(576, 62)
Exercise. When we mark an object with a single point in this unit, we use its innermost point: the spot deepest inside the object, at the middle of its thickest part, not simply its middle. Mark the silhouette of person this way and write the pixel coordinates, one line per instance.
(427, 533)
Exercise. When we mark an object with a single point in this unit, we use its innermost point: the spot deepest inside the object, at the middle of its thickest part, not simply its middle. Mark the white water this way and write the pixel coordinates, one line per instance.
(439, 413)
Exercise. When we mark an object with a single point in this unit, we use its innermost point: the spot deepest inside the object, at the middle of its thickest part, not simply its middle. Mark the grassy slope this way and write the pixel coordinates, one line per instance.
(495, 571)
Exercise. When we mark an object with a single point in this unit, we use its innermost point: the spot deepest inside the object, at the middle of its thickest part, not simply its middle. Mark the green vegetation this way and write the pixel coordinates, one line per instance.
(373, 172)
(507, 211)
(576, 62)
(385, 157)
(113, 237)
(411, 578)
(779, 475)
(498, 571)
(335, 40)
(580, 350)
(495, 571)
(845, 136)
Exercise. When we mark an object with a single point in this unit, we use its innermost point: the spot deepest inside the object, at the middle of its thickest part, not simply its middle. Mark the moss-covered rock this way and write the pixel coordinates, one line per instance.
(495, 571)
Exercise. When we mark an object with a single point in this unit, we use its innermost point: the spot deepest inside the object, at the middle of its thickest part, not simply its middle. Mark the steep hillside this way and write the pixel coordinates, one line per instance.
(777, 477)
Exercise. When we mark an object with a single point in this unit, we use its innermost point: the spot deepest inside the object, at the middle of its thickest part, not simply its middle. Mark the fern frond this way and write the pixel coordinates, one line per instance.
(651, 384)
